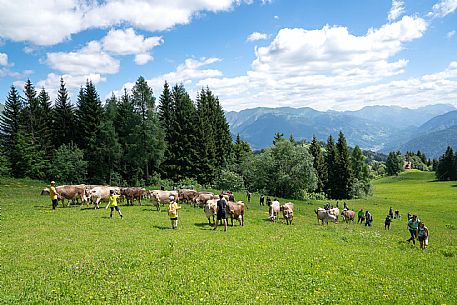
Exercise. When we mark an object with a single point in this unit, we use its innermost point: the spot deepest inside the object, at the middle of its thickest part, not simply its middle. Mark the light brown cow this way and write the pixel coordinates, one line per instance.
(211, 210)
(288, 212)
(324, 215)
(203, 197)
(236, 211)
(274, 210)
(99, 193)
(335, 212)
(163, 197)
(72, 192)
(187, 195)
(348, 215)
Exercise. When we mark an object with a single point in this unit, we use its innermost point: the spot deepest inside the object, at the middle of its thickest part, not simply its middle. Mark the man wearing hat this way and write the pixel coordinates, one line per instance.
(54, 195)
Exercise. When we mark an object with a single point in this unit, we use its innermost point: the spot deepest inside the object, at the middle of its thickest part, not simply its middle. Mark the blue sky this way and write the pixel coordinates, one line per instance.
(322, 54)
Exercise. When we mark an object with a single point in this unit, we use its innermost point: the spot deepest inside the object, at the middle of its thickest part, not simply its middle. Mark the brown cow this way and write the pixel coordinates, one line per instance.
(203, 197)
(132, 193)
(324, 215)
(288, 212)
(348, 215)
(187, 195)
(159, 196)
(236, 211)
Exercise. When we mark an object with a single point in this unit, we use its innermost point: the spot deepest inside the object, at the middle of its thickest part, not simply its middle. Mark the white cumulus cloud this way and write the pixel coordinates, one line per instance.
(48, 22)
(396, 10)
(89, 59)
(126, 42)
(257, 36)
(450, 34)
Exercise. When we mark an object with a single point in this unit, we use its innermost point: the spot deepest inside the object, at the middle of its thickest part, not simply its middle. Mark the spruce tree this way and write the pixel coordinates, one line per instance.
(344, 168)
(331, 159)
(223, 137)
(446, 169)
(10, 125)
(394, 163)
(45, 122)
(31, 111)
(166, 110)
(64, 118)
(319, 165)
(184, 134)
(150, 137)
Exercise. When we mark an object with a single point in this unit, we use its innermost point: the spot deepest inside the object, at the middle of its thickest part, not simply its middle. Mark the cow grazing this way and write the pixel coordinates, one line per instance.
(210, 209)
(288, 212)
(348, 215)
(45, 191)
(274, 210)
(236, 211)
(324, 215)
(72, 192)
(99, 193)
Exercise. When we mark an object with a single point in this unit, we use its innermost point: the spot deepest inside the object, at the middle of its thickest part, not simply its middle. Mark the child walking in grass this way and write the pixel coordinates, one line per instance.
(173, 212)
(422, 235)
(112, 204)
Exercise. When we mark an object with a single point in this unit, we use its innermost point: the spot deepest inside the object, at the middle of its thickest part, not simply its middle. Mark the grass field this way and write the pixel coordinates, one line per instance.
(73, 256)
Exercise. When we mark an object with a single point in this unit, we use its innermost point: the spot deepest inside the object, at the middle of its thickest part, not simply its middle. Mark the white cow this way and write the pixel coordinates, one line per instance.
(274, 210)
(210, 209)
(99, 193)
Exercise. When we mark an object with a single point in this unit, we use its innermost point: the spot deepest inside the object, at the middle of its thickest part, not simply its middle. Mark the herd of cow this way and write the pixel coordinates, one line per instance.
(94, 194)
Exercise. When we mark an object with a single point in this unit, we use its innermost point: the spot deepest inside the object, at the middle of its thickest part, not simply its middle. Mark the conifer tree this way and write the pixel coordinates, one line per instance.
(166, 110)
(223, 137)
(344, 169)
(394, 163)
(150, 137)
(184, 134)
(10, 125)
(446, 168)
(319, 165)
(45, 122)
(331, 159)
(63, 118)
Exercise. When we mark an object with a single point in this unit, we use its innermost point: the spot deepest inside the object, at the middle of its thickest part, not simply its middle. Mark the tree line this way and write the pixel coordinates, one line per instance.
(446, 167)
(134, 139)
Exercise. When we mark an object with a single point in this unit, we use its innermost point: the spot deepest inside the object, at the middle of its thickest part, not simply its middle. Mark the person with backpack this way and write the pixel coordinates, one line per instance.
(221, 212)
(387, 222)
(413, 225)
(368, 219)
(360, 216)
(173, 212)
(422, 235)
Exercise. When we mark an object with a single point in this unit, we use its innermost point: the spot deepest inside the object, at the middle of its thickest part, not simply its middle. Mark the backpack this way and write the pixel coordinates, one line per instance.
(171, 210)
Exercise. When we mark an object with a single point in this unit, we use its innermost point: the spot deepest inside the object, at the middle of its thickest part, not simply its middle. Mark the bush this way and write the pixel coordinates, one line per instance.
(189, 183)
(69, 165)
(361, 188)
(315, 196)
(228, 180)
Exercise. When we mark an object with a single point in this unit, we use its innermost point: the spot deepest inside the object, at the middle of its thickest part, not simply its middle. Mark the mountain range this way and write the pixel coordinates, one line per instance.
(377, 128)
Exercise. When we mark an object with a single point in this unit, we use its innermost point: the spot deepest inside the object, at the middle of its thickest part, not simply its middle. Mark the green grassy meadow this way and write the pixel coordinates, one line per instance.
(74, 256)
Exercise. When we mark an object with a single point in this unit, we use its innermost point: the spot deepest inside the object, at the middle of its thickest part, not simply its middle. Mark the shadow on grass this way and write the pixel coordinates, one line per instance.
(162, 227)
(151, 209)
(40, 207)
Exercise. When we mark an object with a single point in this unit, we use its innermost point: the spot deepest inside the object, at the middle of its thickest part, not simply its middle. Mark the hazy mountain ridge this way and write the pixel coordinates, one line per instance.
(378, 128)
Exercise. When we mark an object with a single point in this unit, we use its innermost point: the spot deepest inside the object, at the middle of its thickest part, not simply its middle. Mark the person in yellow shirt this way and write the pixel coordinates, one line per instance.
(113, 204)
(173, 212)
(54, 195)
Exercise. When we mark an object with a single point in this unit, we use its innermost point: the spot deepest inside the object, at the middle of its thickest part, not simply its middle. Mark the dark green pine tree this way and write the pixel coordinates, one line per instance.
(107, 149)
(34, 158)
(184, 134)
(446, 169)
(166, 110)
(319, 165)
(223, 137)
(150, 137)
(344, 168)
(331, 160)
(64, 118)
(279, 136)
(89, 114)
(125, 125)
(10, 124)
(206, 150)
(45, 122)
(394, 163)
(359, 167)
